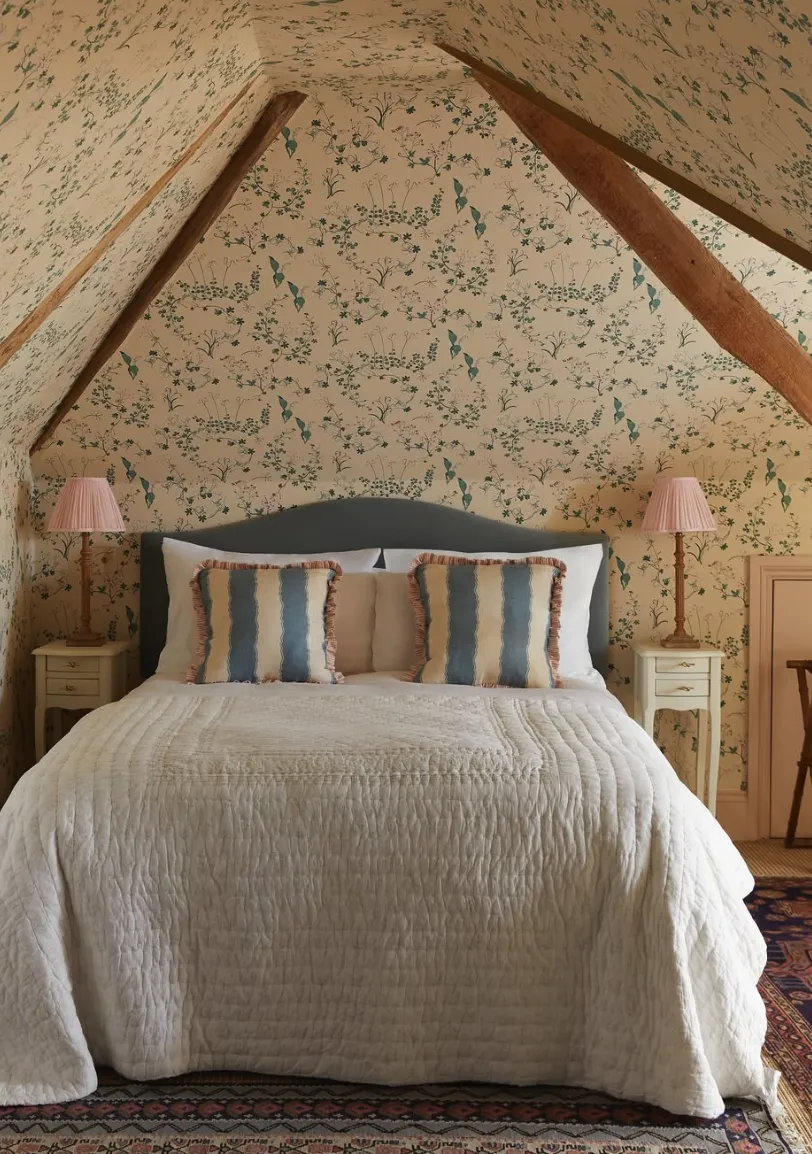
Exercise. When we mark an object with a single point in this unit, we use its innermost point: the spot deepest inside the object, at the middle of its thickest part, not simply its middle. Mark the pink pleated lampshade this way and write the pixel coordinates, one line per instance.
(86, 505)
(678, 505)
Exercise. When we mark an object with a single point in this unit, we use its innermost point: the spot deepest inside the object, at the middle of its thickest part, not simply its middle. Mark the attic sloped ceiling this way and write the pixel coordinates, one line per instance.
(98, 98)
(718, 91)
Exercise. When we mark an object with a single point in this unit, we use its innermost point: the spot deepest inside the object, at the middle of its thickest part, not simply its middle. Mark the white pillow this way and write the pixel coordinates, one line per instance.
(181, 558)
(582, 561)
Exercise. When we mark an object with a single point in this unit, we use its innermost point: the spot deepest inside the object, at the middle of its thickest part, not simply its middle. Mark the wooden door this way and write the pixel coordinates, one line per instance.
(792, 639)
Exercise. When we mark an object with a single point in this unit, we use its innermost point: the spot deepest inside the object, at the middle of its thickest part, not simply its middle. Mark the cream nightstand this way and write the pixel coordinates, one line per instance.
(683, 679)
(74, 677)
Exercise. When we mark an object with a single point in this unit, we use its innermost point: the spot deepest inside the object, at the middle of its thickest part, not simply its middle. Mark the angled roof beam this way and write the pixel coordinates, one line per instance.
(641, 160)
(270, 122)
(38, 315)
(712, 294)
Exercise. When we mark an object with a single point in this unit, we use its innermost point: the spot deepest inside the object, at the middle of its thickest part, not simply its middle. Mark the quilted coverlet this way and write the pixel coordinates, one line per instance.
(392, 885)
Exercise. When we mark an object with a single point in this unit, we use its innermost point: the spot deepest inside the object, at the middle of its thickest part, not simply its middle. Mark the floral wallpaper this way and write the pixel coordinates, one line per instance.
(16, 571)
(97, 99)
(404, 298)
(720, 92)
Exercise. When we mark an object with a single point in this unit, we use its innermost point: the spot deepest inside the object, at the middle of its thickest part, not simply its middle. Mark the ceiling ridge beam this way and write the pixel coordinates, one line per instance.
(667, 176)
(270, 122)
(710, 292)
(29, 325)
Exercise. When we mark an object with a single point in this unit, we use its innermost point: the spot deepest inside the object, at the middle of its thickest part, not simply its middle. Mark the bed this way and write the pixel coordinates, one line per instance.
(378, 881)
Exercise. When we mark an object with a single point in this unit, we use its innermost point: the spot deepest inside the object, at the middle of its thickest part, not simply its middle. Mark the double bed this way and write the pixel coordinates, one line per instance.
(374, 881)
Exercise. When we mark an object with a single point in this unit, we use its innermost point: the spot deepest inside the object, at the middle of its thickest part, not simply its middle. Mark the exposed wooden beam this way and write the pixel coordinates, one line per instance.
(266, 127)
(708, 290)
(29, 325)
(645, 163)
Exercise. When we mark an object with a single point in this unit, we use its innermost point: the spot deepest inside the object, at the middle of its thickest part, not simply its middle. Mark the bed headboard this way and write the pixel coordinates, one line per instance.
(360, 523)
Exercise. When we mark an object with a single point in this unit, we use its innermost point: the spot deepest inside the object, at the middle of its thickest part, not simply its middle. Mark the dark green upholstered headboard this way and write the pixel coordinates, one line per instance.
(361, 523)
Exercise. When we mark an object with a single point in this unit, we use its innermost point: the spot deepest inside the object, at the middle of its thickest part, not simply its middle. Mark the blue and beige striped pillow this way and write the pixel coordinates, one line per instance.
(486, 622)
(265, 622)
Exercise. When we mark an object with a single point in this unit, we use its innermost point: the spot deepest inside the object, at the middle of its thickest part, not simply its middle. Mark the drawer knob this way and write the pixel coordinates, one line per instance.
(69, 688)
(686, 664)
(684, 688)
(72, 664)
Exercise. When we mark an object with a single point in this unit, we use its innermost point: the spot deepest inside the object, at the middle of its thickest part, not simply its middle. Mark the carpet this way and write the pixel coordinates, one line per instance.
(782, 907)
(250, 1114)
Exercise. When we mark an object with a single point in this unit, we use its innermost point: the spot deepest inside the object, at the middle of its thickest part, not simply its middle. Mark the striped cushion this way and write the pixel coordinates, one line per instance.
(265, 622)
(487, 622)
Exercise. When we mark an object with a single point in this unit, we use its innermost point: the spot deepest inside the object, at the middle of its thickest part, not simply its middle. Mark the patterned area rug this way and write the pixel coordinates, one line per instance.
(251, 1114)
(783, 909)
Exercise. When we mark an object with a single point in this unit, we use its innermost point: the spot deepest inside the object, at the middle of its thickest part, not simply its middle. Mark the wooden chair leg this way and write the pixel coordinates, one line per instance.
(795, 809)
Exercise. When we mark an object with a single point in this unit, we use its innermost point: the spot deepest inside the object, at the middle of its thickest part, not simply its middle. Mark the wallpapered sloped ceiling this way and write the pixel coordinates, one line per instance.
(99, 97)
(404, 298)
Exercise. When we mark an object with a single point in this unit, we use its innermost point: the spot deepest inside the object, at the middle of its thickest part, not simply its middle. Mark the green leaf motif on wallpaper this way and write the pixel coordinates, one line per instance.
(639, 275)
(653, 299)
(786, 500)
(304, 432)
(132, 367)
(10, 113)
(625, 575)
(149, 495)
(132, 621)
(290, 142)
(278, 274)
(619, 414)
(466, 496)
(461, 200)
(286, 413)
(798, 99)
(473, 371)
(131, 472)
(449, 470)
(456, 347)
(479, 224)
(298, 299)
(802, 340)
(770, 474)
(634, 432)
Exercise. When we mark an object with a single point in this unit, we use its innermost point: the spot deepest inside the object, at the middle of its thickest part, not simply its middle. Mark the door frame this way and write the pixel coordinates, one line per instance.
(764, 572)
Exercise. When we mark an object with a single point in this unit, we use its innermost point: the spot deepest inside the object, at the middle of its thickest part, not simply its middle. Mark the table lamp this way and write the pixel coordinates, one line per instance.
(86, 505)
(677, 505)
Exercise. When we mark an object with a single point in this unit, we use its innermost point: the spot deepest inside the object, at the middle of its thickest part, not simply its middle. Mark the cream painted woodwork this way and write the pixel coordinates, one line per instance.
(791, 640)
(74, 677)
(684, 679)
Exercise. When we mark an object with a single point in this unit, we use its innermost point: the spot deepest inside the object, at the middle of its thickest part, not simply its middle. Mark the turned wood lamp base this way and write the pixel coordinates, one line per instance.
(679, 639)
(85, 637)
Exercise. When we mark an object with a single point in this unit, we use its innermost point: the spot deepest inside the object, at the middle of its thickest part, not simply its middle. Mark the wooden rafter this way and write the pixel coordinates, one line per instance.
(29, 325)
(266, 127)
(641, 160)
(712, 294)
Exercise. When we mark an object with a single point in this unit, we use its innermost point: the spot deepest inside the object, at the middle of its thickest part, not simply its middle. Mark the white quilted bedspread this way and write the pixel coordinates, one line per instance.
(392, 885)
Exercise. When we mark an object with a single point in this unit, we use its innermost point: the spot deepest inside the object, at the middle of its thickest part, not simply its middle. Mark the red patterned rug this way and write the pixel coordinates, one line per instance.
(251, 1114)
(783, 909)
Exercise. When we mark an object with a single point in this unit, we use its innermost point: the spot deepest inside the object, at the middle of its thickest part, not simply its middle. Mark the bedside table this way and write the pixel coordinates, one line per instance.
(684, 679)
(77, 677)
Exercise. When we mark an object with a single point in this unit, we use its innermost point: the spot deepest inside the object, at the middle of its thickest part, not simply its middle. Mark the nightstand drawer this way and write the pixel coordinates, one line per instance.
(677, 664)
(72, 687)
(76, 666)
(682, 687)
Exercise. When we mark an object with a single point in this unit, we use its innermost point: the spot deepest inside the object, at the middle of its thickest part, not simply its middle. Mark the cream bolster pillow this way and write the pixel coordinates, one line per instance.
(392, 639)
(261, 623)
(492, 623)
(181, 559)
